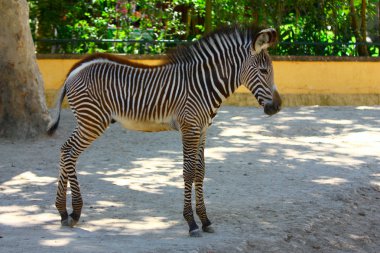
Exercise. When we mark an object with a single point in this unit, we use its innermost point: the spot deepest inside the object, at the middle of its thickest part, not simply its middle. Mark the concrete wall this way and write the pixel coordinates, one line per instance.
(300, 80)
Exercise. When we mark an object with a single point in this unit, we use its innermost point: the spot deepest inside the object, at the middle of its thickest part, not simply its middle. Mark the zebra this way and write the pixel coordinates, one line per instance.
(184, 93)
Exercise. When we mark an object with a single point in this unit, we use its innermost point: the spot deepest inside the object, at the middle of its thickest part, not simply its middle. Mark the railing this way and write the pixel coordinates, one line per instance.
(80, 46)
(302, 48)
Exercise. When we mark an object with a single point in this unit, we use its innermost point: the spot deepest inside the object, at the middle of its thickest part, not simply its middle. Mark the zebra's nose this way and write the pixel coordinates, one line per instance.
(271, 108)
(274, 106)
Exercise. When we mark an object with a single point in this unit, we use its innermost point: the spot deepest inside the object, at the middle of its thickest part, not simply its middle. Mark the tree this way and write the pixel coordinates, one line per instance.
(208, 16)
(50, 16)
(23, 111)
(360, 33)
(306, 27)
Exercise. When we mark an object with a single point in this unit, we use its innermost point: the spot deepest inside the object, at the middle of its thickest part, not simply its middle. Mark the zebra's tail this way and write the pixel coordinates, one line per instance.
(53, 124)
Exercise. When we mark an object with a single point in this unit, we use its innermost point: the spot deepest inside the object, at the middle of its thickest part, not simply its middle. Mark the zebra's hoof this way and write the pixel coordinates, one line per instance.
(208, 229)
(195, 233)
(65, 223)
(72, 222)
(69, 222)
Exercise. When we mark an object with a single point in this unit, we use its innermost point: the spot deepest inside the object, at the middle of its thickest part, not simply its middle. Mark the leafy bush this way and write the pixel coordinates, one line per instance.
(306, 27)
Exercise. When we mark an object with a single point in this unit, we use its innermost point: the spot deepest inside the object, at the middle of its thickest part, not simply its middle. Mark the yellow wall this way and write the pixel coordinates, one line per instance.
(328, 77)
(322, 77)
(313, 82)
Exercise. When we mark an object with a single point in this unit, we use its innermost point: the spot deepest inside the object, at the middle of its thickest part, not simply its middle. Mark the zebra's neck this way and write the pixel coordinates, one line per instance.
(214, 63)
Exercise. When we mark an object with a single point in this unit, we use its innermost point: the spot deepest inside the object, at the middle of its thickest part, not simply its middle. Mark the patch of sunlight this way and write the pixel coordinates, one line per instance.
(109, 204)
(171, 152)
(15, 184)
(84, 173)
(282, 127)
(293, 118)
(307, 110)
(330, 181)
(30, 178)
(267, 224)
(239, 141)
(323, 152)
(238, 118)
(118, 181)
(129, 226)
(220, 153)
(241, 131)
(271, 151)
(337, 121)
(150, 184)
(58, 242)
(375, 183)
(264, 160)
(369, 136)
(149, 175)
(364, 238)
(155, 164)
(367, 108)
(328, 130)
(21, 216)
(339, 160)
(112, 172)
(55, 226)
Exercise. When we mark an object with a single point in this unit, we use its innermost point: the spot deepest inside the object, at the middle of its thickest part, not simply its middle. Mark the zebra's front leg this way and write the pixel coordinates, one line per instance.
(190, 140)
(198, 182)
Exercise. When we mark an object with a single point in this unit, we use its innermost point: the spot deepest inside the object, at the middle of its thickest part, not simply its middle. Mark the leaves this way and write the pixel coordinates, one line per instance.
(306, 27)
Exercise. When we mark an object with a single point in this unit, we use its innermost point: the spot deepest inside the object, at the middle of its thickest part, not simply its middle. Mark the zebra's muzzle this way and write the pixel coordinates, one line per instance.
(274, 106)
(271, 108)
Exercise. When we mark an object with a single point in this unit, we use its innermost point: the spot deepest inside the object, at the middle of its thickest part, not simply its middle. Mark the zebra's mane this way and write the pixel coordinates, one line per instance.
(186, 52)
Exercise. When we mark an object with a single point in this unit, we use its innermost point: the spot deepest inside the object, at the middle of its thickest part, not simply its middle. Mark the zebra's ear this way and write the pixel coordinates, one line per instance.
(264, 39)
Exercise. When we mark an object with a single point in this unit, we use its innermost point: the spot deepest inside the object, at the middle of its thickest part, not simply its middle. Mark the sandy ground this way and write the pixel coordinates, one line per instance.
(305, 180)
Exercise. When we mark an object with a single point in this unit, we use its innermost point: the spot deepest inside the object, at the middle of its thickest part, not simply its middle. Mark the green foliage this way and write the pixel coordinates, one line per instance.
(306, 27)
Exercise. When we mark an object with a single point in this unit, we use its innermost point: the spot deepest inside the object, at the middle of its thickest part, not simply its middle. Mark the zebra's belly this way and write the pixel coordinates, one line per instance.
(147, 125)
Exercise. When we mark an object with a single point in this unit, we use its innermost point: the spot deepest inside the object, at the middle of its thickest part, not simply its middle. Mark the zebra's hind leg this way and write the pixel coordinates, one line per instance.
(198, 182)
(80, 139)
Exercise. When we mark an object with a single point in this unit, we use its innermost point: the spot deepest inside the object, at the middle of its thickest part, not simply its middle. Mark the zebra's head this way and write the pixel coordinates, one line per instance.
(257, 72)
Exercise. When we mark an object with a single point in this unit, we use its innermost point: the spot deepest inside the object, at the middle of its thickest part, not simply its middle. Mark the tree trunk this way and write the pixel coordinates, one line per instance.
(259, 13)
(362, 48)
(23, 111)
(255, 12)
(378, 20)
(208, 16)
(363, 28)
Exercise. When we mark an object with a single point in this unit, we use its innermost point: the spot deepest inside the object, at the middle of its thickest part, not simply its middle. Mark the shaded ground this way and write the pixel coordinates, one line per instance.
(305, 180)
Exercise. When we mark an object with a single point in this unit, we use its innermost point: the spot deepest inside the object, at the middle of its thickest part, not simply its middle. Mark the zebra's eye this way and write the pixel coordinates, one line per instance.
(263, 71)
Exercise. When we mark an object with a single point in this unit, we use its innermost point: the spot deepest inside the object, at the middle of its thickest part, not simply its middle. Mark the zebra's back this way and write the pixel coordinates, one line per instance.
(142, 99)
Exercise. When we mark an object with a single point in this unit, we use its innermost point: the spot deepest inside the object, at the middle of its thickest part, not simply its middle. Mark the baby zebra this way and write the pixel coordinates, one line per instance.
(182, 94)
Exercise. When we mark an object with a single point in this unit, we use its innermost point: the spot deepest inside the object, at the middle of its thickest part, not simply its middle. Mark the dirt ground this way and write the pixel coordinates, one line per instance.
(304, 180)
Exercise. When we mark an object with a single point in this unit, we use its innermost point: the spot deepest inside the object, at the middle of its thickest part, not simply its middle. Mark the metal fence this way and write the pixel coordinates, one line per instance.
(80, 46)
(297, 48)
